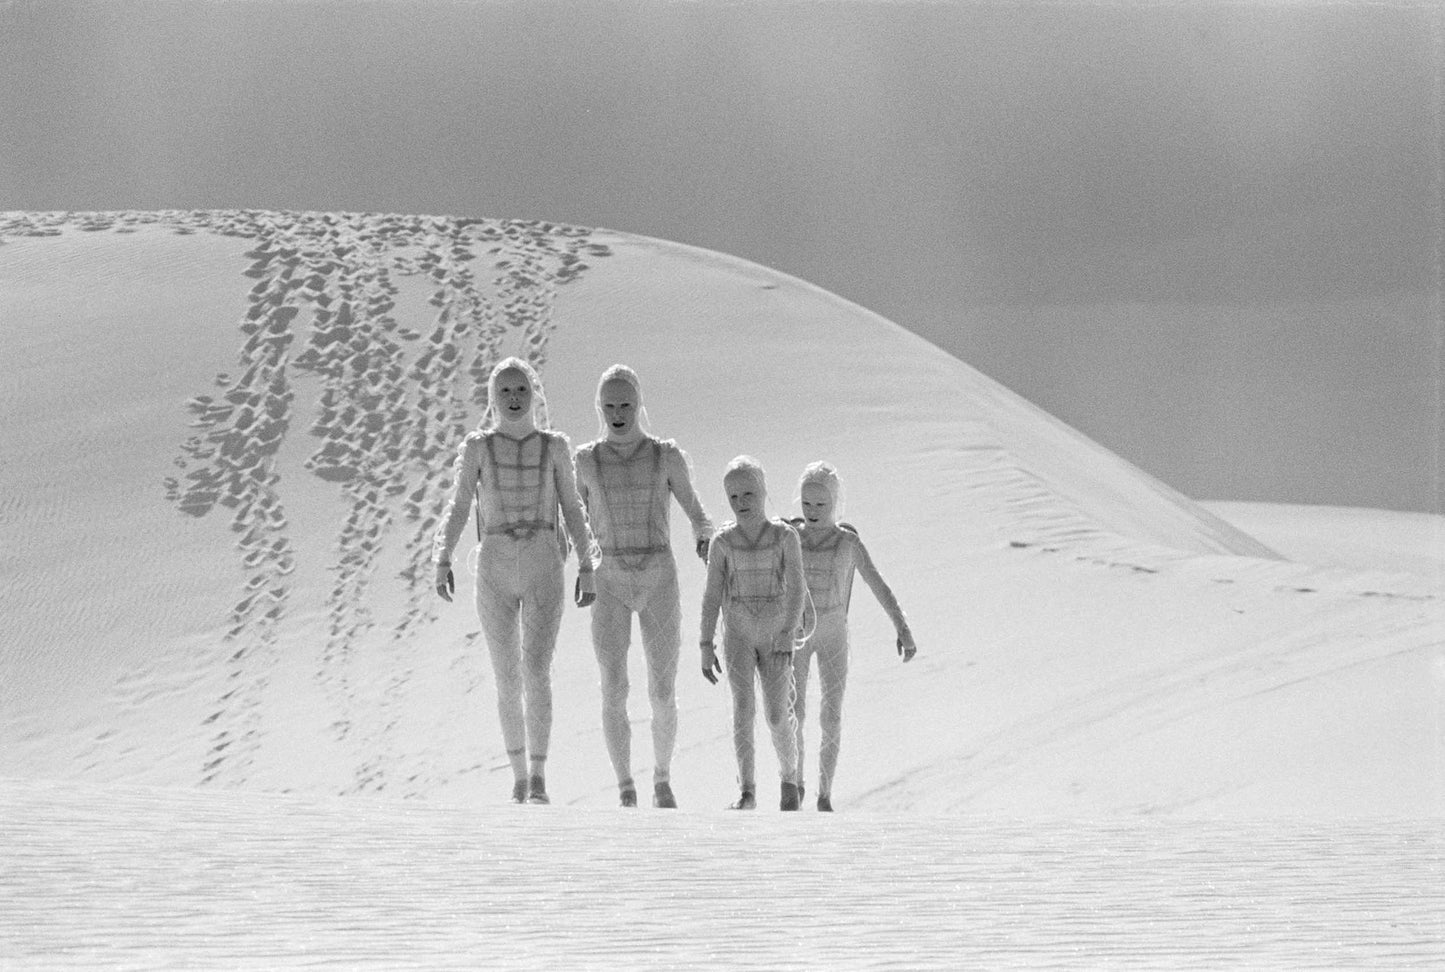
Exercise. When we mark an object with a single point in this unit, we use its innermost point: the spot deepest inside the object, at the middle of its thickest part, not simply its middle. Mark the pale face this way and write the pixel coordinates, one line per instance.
(619, 407)
(514, 395)
(817, 504)
(745, 495)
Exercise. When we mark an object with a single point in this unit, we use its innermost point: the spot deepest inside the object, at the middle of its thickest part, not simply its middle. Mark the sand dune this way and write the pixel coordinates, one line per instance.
(238, 730)
(232, 442)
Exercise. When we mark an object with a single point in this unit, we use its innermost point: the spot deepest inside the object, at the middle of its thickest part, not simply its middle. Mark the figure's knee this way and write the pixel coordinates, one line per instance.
(537, 678)
(744, 709)
(662, 678)
(612, 664)
(779, 713)
(509, 689)
(614, 699)
(662, 701)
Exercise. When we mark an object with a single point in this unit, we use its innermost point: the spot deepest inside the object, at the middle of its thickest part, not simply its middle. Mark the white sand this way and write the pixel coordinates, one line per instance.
(118, 876)
(1097, 651)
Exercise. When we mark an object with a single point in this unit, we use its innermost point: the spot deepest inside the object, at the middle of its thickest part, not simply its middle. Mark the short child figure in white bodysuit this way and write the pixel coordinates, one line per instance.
(519, 474)
(832, 552)
(627, 479)
(755, 580)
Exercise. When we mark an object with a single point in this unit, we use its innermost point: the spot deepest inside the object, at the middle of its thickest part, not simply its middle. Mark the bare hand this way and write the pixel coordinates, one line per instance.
(711, 667)
(702, 546)
(446, 582)
(906, 647)
(586, 591)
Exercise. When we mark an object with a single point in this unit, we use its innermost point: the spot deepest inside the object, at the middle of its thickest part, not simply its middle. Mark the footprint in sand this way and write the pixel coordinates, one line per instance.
(395, 397)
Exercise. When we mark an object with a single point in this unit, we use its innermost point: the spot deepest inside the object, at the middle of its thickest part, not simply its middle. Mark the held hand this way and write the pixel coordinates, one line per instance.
(446, 582)
(586, 588)
(906, 647)
(702, 546)
(711, 667)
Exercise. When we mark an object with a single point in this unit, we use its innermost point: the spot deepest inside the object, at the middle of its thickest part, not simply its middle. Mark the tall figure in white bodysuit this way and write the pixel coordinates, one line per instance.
(832, 552)
(627, 479)
(755, 580)
(519, 474)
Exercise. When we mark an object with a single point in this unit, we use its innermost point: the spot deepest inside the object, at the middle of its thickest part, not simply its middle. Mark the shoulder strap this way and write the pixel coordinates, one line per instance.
(544, 474)
(477, 486)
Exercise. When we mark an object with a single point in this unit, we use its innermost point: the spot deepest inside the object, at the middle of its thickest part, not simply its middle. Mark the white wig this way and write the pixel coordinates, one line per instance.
(825, 474)
(490, 417)
(620, 372)
(750, 466)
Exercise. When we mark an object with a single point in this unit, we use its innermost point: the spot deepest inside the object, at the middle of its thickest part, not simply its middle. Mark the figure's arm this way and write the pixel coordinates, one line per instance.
(679, 481)
(795, 586)
(884, 594)
(713, 593)
(581, 460)
(712, 598)
(459, 505)
(573, 513)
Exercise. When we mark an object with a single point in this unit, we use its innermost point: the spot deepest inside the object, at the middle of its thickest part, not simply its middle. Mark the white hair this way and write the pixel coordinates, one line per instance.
(620, 372)
(749, 465)
(825, 474)
(491, 417)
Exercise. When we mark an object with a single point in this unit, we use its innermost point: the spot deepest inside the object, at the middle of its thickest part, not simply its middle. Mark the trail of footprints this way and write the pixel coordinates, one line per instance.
(394, 402)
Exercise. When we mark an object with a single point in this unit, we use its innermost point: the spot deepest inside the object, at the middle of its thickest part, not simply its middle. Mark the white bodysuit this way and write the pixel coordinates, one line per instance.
(627, 488)
(759, 588)
(831, 555)
(519, 486)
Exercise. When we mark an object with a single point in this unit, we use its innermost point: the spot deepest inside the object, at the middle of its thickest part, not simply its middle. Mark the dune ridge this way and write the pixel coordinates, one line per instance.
(262, 617)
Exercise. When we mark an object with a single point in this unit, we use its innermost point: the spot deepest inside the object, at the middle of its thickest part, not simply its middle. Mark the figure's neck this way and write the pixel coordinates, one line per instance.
(752, 525)
(625, 439)
(516, 428)
(816, 536)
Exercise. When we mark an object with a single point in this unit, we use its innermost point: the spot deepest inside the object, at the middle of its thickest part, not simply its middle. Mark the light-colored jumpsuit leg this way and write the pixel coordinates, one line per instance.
(741, 662)
(802, 664)
(775, 674)
(519, 601)
(830, 645)
(751, 667)
(611, 637)
(660, 621)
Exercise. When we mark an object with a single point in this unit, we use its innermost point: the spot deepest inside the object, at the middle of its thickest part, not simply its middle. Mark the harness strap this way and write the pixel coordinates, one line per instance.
(635, 551)
(640, 553)
(517, 529)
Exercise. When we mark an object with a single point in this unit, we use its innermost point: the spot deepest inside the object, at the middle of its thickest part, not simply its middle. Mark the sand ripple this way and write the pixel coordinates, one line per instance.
(205, 879)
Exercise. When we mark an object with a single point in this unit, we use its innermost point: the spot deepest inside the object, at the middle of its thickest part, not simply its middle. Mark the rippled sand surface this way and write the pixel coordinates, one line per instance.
(128, 878)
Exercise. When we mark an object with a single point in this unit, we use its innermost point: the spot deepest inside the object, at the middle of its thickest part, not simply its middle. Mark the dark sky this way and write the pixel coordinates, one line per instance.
(1208, 236)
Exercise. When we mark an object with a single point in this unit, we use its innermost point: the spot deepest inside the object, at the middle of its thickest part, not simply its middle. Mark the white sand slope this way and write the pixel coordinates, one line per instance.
(125, 877)
(1344, 537)
(227, 442)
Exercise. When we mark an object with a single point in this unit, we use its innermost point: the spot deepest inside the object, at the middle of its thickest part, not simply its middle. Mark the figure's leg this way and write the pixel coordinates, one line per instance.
(775, 673)
(541, 619)
(499, 611)
(832, 681)
(661, 623)
(741, 662)
(801, 665)
(611, 635)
